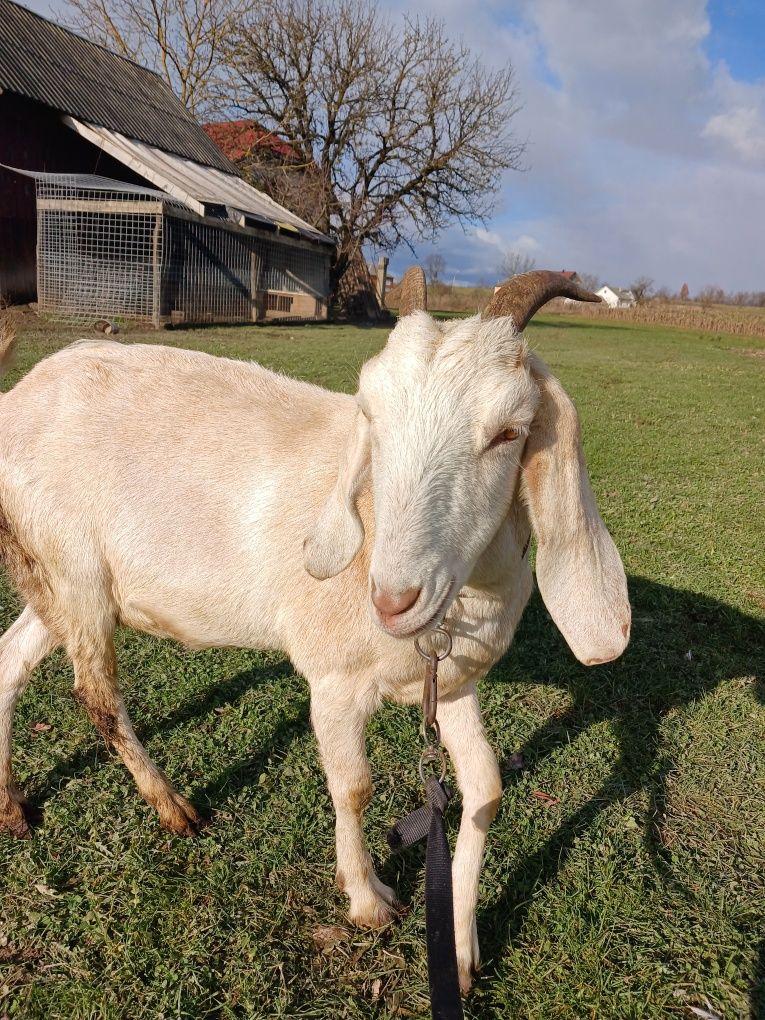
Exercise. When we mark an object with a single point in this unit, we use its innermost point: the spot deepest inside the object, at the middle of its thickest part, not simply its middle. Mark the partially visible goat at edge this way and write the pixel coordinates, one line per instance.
(217, 503)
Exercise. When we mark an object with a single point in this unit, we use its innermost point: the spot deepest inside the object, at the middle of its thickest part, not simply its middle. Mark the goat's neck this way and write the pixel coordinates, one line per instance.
(502, 560)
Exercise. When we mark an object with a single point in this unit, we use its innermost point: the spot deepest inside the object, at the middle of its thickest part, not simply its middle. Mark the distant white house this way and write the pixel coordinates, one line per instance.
(615, 297)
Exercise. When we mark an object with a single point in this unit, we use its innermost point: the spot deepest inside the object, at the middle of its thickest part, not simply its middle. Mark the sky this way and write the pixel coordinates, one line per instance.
(645, 130)
(644, 123)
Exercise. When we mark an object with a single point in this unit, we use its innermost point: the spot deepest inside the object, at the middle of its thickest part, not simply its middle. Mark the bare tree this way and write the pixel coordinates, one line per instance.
(589, 281)
(180, 39)
(747, 297)
(434, 267)
(514, 263)
(408, 132)
(712, 294)
(642, 288)
(684, 292)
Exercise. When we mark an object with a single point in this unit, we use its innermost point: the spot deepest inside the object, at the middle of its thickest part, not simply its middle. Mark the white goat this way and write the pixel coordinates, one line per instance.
(173, 492)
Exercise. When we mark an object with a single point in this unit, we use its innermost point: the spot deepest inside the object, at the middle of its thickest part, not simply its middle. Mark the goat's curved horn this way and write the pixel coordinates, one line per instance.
(414, 292)
(524, 295)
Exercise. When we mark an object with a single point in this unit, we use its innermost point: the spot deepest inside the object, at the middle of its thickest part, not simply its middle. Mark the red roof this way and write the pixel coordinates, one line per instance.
(238, 138)
(568, 273)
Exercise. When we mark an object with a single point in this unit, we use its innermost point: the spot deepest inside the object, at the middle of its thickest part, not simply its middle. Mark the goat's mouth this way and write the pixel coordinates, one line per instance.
(411, 623)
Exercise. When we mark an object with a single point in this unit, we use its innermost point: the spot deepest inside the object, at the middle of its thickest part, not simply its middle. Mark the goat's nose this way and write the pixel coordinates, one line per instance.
(393, 603)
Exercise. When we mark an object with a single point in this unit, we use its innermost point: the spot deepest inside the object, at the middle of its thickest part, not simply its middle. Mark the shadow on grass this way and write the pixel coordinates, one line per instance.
(758, 985)
(324, 325)
(653, 677)
(226, 693)
(245, 772)
(758, 988)
(683, 645)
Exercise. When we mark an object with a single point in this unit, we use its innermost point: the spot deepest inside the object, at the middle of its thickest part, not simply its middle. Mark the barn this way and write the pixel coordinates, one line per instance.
(124, 206)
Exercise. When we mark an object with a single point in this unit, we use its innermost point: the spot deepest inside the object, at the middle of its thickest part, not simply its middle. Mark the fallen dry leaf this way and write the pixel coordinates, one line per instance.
(327, 935)
(705, 1014)
(45, 890)
(40, 727)
(546, 798)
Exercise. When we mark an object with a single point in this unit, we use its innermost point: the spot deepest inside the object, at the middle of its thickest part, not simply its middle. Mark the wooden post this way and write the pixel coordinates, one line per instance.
(255, 312)
(156, 266)
(382, 279)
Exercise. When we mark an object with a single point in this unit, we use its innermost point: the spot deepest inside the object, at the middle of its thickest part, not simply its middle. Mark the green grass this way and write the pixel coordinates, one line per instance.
(639, 894)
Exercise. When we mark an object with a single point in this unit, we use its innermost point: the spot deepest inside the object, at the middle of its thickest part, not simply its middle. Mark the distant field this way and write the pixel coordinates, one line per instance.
(721, 319)
(739, 320)
(637, 892)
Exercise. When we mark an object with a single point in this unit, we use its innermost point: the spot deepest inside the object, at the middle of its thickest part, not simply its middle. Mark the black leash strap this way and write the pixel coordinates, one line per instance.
(428, 821)
(445, 1000)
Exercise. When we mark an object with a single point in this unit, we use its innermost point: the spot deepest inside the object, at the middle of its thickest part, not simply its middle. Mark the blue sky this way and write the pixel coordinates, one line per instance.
(646, 138)
(737, 36)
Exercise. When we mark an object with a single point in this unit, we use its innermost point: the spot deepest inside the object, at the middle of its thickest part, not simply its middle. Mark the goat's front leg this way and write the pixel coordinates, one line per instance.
(480, 784)
(339, 720)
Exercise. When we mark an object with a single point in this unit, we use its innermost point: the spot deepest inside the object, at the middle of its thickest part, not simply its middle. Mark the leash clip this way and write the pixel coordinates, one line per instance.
(433, 754)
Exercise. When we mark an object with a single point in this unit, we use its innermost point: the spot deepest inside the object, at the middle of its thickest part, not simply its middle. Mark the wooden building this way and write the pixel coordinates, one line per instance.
(96, 128)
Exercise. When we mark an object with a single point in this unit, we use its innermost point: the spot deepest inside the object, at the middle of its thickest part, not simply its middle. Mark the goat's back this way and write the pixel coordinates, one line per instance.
(182, 482)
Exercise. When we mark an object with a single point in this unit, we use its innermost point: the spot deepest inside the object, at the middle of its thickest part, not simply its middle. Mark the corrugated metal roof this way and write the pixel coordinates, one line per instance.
(193, 184)
(45, 62)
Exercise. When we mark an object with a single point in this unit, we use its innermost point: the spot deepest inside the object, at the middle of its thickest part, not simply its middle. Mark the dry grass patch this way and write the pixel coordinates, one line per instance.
(727, 319)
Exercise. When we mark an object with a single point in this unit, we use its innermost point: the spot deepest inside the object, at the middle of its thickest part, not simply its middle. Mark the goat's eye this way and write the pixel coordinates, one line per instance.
(505, 436)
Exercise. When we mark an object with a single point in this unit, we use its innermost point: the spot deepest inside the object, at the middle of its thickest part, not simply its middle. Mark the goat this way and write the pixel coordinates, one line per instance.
(214, 502)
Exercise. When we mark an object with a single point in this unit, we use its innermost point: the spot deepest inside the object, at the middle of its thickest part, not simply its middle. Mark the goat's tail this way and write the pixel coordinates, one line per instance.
(7, 341)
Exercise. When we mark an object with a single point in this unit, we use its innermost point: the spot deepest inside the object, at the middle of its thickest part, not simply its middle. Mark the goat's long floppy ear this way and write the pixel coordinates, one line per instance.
(579, 572)
(337, 535)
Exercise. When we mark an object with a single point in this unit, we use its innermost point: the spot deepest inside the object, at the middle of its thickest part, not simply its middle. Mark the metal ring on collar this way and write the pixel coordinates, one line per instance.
(431, 734)
(429, 756)
(443, 655)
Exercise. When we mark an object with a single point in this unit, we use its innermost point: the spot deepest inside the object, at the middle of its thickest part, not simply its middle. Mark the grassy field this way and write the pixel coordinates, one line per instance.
(636, 891)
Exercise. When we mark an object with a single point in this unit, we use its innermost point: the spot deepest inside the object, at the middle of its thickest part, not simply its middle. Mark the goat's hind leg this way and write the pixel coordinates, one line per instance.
(97, 690)
(23, 646)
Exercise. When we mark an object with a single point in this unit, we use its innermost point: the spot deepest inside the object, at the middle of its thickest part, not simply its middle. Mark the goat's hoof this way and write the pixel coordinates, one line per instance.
(18, 817)
(465, 972)
(468, 959)
(377, 906)
(177, 815)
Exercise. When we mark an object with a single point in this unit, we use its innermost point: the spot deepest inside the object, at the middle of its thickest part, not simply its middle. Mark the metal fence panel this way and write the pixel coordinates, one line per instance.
(135, 253)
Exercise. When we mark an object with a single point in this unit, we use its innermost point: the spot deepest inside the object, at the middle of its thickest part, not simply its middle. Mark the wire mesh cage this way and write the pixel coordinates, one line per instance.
(99, 247)
(120, 251)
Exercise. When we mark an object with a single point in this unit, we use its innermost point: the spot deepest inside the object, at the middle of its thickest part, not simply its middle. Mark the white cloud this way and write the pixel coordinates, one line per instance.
(742, 129)
(641, 154)
(490, 238)
(738, 129)
(524, 243)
